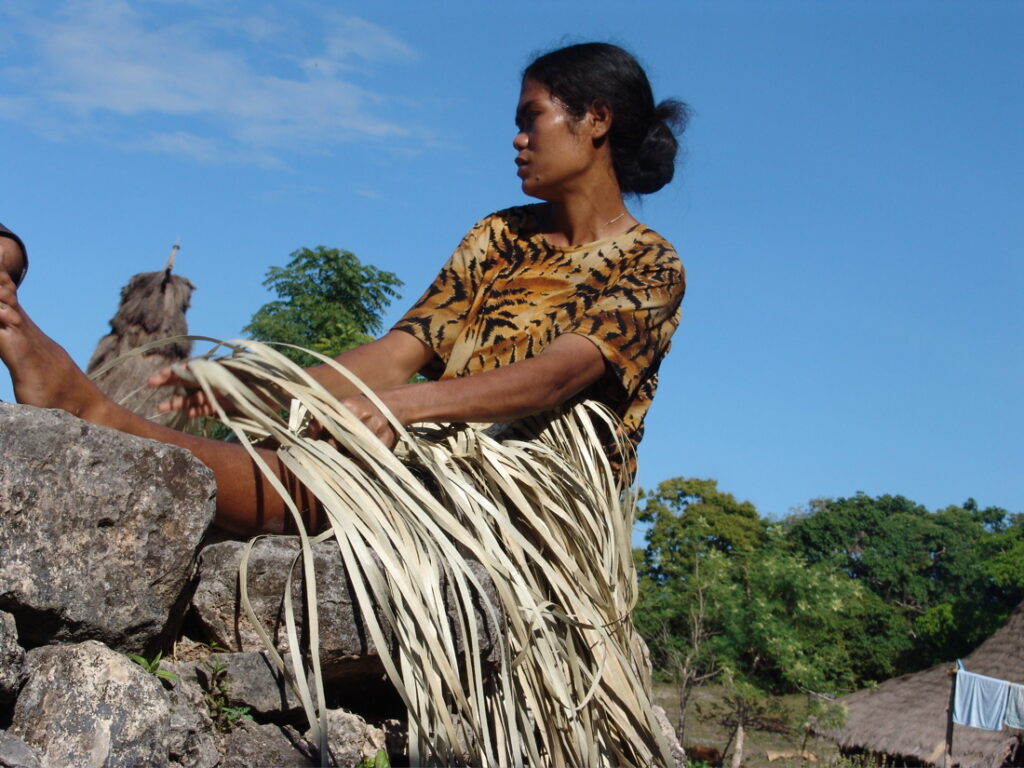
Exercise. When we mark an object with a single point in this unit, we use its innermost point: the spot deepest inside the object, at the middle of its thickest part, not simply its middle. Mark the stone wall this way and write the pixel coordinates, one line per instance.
(122, 639)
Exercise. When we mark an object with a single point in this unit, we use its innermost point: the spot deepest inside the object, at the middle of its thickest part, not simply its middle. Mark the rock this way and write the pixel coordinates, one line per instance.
(100, 530)
(217, 604)
(12, 659)
(250, 745)
(675, 749)
(348, 653)
(86, 705)
(192, 738)
(247, 680)
(15, 753)
(350, 739)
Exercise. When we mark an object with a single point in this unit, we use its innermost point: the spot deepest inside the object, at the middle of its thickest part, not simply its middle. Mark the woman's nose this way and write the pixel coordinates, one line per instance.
(521, 140)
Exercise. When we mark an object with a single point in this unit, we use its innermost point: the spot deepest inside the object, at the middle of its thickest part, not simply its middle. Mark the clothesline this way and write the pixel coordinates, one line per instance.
(980, 701)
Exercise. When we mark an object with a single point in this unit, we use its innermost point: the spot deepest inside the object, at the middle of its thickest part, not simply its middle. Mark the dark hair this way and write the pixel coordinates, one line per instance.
(643, 136)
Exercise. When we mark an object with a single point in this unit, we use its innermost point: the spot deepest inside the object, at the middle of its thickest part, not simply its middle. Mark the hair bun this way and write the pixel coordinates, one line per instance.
(656, 159)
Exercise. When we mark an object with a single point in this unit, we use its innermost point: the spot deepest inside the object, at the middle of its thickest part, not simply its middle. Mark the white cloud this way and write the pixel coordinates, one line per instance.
(177, 77)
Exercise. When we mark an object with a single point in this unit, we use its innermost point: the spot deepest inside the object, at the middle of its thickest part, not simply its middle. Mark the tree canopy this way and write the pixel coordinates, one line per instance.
(851, 591)
(327, 301)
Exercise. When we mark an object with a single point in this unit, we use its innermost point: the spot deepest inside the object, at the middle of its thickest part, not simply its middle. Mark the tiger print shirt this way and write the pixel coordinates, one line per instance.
(506, 293)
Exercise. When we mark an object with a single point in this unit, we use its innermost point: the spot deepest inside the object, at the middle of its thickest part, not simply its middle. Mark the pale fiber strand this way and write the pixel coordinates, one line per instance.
(538, 506)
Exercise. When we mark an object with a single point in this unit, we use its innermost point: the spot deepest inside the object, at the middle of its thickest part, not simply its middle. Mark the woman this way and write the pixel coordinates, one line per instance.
(589, 132)
(539, 306)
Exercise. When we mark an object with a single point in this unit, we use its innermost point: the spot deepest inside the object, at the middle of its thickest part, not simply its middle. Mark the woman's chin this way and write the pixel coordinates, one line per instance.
(532, 189)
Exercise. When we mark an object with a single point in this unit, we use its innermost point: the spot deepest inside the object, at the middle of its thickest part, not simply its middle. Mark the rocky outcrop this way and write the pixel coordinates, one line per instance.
(106, 563)
(100, 531)
(58, 716)
(12, 659)
(15, 753)
(100, 537)
(347, 652)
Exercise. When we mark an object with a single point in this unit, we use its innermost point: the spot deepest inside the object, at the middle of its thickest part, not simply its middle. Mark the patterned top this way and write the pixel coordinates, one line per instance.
(506, 293)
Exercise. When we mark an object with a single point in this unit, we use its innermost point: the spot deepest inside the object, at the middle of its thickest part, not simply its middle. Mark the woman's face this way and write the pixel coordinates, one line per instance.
(553, 155)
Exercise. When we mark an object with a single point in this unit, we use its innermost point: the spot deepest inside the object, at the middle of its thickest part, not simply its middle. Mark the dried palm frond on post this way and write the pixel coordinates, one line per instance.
(537, 505)
(152, 307)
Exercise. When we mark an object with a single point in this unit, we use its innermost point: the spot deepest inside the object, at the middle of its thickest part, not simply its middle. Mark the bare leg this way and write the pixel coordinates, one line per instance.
(45, 376)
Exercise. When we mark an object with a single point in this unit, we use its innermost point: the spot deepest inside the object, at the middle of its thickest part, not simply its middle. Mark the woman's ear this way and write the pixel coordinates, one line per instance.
(599, 119)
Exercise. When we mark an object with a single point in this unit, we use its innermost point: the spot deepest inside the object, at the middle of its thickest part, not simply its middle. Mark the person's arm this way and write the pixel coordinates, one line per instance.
(387, 362)
(567, 366)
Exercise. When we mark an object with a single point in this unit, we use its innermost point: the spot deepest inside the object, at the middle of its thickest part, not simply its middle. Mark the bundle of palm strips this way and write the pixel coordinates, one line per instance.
(537, 505)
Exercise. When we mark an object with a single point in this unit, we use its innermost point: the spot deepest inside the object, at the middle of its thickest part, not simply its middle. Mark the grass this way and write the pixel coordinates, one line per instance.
(702, 729)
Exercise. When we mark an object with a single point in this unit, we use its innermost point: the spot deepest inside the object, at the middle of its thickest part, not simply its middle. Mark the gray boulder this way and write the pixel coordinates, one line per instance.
(86, 705)
(350, 739)
(100, 531)
(244, 680)
(669, 732)
(12, 659)
(15, 753)
(347, 651)
(192, 739)
(251, 745)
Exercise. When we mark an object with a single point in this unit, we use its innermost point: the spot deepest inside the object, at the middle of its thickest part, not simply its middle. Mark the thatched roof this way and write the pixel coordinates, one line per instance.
(907, 717)
(152, 307)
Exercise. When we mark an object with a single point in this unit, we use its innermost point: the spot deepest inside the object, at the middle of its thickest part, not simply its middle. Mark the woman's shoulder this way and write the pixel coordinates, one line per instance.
(517, 220)
(507, 224)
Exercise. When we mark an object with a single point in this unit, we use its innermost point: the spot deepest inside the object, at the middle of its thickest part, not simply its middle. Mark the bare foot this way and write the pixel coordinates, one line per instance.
(42, 373)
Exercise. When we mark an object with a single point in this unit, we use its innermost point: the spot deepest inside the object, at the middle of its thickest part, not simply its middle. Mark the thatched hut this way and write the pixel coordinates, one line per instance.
(152, 307)
(907, 719)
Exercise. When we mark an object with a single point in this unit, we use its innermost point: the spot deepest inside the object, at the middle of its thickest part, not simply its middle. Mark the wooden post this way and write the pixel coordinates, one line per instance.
(948, 754)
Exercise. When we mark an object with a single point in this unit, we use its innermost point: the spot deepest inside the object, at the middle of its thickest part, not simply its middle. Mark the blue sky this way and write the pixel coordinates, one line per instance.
(849, 210)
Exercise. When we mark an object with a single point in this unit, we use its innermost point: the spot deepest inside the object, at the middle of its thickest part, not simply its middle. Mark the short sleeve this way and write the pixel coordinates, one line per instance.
(633, 320)
(438, 317)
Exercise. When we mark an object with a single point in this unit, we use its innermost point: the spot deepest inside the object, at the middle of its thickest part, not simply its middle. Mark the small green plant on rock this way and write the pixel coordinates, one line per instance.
(225, 716)
(153, 666)
(380, 760)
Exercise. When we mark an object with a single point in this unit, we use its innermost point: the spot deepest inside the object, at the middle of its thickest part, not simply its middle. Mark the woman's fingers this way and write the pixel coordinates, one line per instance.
(194, 403)
(371, 416)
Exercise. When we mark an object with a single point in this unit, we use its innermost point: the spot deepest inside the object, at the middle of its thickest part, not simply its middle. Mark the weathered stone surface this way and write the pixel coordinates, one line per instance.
(15, 753)
(347, 650)
(99, 530)
(265, 746)
(674, 747)
(191, 734)
(350, 739)
(86, 705)
(12, 659)
(249, 680)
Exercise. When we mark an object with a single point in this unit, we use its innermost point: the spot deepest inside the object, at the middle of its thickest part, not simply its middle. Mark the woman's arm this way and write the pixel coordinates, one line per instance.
(389, 361)
(567, 366)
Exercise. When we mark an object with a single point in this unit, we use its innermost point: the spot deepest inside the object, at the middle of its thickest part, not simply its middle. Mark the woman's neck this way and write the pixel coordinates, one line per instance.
(578, 221)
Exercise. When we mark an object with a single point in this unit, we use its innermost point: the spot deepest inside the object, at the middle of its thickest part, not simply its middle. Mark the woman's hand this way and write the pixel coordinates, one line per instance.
(371, 416)
(194, 403)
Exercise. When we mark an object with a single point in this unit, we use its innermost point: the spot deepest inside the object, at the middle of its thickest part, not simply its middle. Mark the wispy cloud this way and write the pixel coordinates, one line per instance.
(179, 78)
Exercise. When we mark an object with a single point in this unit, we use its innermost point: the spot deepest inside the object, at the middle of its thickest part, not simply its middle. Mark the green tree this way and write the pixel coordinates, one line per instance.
(940, 582)
(694, 531)
(785, 621)
(722, 595)
(689, 517)
(327, 301)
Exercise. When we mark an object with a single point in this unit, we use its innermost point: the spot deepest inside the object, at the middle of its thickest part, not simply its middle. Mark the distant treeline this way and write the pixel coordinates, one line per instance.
(850, 592)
